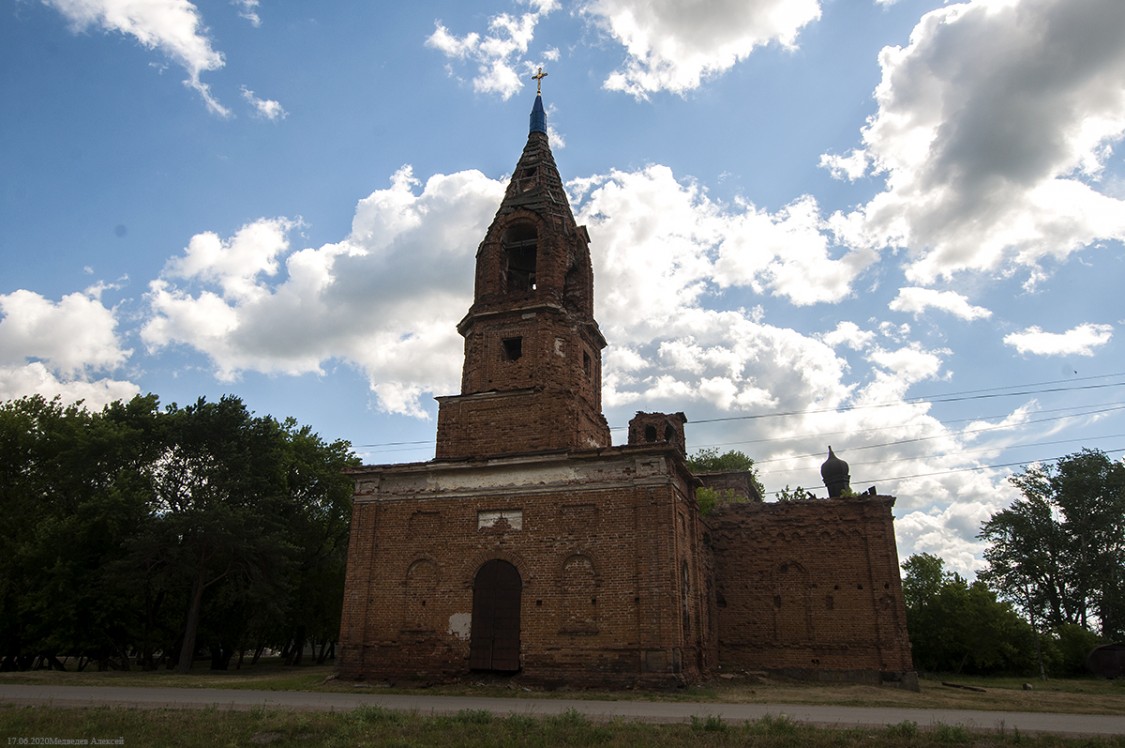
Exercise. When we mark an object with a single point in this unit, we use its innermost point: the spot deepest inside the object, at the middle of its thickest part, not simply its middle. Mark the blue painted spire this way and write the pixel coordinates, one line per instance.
(538, 116)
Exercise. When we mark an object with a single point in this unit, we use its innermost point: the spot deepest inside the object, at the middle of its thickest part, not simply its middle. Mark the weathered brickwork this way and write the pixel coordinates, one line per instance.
(732, 485)
(531, 545)
(659, 428)
(606, 545)
(810, 588)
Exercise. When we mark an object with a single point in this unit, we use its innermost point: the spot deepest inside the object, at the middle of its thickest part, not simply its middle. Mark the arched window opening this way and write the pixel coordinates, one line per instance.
(421, 584)
(573, 290)
(520, 256)
(580, 601)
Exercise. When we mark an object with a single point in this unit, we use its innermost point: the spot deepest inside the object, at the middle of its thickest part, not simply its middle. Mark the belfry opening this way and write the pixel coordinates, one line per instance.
(520, 255)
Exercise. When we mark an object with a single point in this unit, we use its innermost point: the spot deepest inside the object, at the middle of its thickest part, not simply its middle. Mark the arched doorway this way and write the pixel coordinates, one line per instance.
(494, 643)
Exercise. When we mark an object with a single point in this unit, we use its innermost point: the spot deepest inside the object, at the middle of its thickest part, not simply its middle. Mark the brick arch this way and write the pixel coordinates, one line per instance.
(473, 563)
(578, 583)
(491, 260)
(575, 555)
(791, 602)
(420, 584)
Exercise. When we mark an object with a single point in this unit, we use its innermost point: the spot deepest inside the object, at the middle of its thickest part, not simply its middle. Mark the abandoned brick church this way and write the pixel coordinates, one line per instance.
(532, 545)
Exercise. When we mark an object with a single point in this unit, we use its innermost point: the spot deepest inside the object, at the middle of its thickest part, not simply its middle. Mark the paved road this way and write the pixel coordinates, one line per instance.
(652, 711)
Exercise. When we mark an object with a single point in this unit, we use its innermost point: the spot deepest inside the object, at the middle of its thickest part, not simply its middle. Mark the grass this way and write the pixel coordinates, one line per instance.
(381, 727)
(266, 676)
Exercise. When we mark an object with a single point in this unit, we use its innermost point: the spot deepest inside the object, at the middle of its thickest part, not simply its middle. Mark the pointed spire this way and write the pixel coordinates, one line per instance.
(536, 184)
(538, 116)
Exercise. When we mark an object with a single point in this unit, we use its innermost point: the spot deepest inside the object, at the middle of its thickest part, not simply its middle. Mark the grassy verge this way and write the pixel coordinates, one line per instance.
(271, 676)
(379, 727)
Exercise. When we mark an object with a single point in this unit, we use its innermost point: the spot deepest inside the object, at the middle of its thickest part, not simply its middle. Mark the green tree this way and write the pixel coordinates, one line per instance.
(712, 461)
(139, 530)
(219, 505)
(1058, 552)
(957, 626)
(73, 485)
(320, 495)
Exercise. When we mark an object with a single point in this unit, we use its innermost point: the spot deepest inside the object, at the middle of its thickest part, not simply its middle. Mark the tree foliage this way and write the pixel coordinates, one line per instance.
(1058, 552)
(712, 461)
(961, 627)
(145, 535)
(794, 494)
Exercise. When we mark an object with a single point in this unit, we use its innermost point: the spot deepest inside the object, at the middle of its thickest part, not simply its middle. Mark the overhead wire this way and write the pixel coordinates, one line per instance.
(956, 396)
(906, 401)
(959, 453)
(983, 429)
(850, 432)
(969, 469)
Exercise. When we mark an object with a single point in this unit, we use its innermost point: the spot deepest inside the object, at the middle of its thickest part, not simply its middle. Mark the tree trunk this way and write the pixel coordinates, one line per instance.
(187, 650)
(298, 647)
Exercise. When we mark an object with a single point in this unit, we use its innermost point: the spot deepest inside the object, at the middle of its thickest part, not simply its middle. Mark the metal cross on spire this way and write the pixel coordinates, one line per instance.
(538, 78)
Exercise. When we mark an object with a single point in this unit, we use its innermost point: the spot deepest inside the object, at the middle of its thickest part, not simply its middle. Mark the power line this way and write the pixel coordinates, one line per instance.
(850, 432)
(974, 468)
(912, 440)
(1018, 445)
(956, 396)
(904, 401)
(397, 444)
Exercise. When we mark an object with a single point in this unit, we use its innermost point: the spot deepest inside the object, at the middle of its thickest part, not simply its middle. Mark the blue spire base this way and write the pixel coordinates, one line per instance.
(538, 117)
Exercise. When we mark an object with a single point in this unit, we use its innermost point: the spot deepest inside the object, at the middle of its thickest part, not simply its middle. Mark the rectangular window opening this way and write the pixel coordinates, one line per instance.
(506, 519)
(513, 348)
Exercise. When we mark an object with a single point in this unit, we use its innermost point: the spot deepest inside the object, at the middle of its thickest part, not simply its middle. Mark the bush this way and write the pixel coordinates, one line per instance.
(1070, 645)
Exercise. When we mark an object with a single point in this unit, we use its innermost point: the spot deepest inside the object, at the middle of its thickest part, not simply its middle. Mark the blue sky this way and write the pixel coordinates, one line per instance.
(892, 227)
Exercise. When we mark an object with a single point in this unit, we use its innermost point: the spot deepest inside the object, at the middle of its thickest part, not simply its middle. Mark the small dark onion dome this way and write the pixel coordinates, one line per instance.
(834, 472)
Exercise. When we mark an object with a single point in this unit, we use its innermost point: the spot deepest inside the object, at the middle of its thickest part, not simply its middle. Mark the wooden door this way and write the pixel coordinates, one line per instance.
(494, 643)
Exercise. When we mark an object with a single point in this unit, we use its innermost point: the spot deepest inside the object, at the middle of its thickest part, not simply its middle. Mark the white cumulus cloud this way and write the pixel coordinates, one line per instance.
(68, 348)
(173, 27)
(499, 53)
(916, 301)
(384, 299)
(993, 126)
(1078, 341)
(673, 46)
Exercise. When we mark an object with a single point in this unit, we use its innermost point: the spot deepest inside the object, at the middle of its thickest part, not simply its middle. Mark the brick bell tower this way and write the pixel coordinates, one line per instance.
(531, 380)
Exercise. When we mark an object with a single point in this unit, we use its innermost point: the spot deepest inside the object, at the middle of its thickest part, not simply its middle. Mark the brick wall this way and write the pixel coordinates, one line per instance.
(521, 421)
(731, 484)
(607, 545)
(811, 588)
